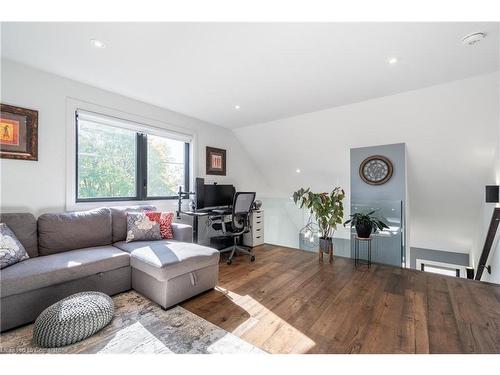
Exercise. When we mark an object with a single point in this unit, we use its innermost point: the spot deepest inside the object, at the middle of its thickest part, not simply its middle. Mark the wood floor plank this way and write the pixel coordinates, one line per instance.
(288, 302)
(474, 323)
(355, 327)
(443, 330)
(414, 335)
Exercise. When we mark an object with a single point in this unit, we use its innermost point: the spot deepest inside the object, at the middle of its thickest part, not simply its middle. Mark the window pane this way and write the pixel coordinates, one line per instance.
(440, 270)
(106, 161)
(165, 166)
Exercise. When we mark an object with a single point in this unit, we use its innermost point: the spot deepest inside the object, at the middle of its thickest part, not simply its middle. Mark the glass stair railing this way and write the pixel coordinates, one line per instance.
(285, 224)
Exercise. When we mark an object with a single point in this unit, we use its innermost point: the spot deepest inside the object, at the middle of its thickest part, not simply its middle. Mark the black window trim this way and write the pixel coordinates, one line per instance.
(141, 179)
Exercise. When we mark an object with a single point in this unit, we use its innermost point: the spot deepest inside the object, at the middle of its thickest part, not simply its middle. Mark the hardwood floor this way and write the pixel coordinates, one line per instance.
(287, 302)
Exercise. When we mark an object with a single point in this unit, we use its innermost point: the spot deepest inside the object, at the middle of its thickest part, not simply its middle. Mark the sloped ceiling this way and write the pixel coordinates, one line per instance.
(451, 133)
(271, 70)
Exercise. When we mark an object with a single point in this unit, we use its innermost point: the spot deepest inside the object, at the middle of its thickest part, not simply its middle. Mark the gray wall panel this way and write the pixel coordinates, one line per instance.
(437, 256)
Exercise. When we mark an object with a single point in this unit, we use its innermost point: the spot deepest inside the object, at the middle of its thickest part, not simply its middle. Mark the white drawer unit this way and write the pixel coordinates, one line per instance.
(255, 236)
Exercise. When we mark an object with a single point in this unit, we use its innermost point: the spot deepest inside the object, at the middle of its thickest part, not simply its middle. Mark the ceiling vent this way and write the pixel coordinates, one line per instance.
(472, 39)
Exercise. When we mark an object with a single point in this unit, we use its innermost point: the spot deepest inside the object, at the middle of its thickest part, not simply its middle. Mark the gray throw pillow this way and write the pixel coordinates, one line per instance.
(11, 250)
(141, 228)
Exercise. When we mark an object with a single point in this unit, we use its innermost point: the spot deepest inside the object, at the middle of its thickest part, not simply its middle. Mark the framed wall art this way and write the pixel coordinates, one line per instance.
(216, 161)
(18, 133)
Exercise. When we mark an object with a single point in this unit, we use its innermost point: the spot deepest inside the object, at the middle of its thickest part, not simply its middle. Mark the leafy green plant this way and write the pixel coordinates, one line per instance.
(327, 208)
(366, 220)
(106, 164)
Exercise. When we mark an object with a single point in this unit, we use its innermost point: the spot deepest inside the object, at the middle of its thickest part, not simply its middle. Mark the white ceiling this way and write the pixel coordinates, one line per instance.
(272, 70)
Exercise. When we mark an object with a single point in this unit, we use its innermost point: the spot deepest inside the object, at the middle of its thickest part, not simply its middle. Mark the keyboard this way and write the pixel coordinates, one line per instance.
(220, 210)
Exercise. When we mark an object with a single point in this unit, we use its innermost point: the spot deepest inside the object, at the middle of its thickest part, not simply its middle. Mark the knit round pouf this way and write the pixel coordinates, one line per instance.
(72, 319)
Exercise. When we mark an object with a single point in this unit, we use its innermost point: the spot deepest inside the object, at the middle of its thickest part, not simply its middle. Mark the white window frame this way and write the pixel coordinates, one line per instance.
(125, 120)
(462, 269)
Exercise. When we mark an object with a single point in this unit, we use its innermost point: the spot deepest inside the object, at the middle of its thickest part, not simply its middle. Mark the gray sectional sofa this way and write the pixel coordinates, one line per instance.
(82, 251)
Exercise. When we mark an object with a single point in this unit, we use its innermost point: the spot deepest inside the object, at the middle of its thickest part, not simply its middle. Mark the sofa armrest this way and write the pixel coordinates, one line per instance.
(182, 232)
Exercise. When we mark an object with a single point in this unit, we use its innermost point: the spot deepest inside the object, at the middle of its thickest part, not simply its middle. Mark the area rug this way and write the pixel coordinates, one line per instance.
(141, 326)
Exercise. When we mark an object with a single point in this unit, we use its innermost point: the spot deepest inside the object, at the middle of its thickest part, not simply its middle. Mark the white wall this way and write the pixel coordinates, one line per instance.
(40, 186)
(450, 132)
(494, 258)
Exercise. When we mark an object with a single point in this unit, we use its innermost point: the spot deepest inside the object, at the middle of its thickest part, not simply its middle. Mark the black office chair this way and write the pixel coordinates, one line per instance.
(240, 223)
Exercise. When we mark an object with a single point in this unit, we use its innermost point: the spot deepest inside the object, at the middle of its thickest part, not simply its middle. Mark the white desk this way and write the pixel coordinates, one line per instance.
(202, 232)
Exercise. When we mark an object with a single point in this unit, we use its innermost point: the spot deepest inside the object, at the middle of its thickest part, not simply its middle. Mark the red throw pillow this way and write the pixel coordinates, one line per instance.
(165, 220)
(152, 215)
(166, 225)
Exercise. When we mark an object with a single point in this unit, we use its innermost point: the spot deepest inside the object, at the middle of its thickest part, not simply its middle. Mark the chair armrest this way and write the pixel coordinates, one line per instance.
(182, 232)
(216, 218)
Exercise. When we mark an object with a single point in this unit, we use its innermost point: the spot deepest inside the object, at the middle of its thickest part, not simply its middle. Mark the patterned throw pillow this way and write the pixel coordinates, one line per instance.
(164, 219)
(141, 228)
(11, 250)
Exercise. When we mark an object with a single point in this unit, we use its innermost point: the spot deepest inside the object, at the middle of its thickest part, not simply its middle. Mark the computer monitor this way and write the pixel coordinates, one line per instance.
(213, 195)
(200, 192)
(218, 195)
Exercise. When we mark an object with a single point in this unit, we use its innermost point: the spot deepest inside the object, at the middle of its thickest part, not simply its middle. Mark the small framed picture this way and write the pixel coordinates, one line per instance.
(216, 161)
(18, 133)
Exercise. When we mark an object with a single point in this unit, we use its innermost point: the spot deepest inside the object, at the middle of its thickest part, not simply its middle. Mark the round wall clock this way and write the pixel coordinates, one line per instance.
(376, 170)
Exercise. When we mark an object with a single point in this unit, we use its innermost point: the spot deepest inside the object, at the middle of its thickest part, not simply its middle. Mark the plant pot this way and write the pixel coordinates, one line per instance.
(325, 244)
(363, 230)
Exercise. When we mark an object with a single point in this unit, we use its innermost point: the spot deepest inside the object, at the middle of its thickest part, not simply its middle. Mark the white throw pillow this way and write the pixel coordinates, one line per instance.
(11, 250)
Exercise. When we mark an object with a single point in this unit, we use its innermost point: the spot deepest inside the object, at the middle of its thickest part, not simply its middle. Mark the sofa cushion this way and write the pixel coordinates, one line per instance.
(143, 226)
(24, 227)
(119, 218)
(74, 230)
(11, 250)
(164, 220)
(40, 272)
(182, 232)
(166, 259)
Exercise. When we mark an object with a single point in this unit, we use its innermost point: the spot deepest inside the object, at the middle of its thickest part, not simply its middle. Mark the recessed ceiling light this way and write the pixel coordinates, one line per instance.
(393, 60)
(97, 43)
(297, 170)
(237, 107)
(471, 39)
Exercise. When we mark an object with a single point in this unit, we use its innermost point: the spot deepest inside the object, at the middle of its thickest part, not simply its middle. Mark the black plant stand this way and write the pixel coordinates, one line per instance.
(357, 260)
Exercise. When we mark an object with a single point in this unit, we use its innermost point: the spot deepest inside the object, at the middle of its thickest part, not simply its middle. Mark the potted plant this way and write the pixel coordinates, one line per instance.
(328, 211)
(366, 224)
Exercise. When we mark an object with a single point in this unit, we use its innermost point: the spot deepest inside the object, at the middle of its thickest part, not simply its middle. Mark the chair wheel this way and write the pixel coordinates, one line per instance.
(229, 261)
(252, 259)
